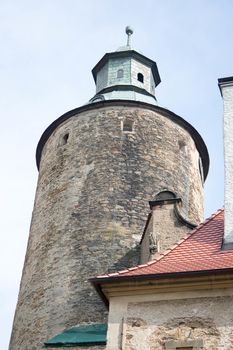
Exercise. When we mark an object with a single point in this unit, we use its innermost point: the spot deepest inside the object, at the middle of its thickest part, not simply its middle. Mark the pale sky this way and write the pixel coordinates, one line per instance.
(48, 48)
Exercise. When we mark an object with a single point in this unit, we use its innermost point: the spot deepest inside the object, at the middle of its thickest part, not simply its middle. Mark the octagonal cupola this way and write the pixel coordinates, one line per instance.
(126, 75)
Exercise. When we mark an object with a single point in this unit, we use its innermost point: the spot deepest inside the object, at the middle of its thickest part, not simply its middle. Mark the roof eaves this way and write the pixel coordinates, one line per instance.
(97, 281)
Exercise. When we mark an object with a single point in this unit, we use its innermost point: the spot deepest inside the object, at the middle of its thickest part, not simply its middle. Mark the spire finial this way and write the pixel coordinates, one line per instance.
(129, 32)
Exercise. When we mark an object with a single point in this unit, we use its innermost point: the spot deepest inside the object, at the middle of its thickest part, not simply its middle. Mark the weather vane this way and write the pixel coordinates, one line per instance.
(129, 32)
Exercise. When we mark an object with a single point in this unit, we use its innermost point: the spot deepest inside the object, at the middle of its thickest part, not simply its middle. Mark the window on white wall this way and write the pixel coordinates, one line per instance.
(140, 77)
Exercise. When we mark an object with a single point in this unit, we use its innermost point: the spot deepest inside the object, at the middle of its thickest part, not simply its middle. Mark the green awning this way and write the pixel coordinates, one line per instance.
(94, 334)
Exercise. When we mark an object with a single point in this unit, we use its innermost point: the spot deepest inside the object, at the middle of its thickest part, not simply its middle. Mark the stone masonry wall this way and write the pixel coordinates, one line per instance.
(162, 236)
(152, 325)
(91, 204)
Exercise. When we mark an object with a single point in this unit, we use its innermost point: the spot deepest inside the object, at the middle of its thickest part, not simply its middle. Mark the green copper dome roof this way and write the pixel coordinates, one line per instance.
(126, 74)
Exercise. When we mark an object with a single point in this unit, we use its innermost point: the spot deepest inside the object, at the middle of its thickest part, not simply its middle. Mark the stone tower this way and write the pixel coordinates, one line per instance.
(99, 165)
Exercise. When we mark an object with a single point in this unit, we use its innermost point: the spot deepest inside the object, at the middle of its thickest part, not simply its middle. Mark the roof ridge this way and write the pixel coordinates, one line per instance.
(166, 252)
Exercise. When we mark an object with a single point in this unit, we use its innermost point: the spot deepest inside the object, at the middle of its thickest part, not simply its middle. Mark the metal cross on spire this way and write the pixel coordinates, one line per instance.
(129, 32)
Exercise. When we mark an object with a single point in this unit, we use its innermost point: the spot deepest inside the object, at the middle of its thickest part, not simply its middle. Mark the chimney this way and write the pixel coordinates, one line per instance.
(226, 88)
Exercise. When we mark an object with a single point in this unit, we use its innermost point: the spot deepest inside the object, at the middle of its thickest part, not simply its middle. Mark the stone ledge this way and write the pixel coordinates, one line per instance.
(196, 344)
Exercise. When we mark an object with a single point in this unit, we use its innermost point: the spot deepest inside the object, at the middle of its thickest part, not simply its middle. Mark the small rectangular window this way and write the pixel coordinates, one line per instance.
(140, 77)
(64, 139)
(128, 125)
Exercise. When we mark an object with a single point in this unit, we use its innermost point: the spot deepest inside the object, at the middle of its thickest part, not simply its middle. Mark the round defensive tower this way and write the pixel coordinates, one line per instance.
(99, 165)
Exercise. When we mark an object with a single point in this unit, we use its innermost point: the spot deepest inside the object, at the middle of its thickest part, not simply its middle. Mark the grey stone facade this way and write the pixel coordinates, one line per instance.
(95, 181)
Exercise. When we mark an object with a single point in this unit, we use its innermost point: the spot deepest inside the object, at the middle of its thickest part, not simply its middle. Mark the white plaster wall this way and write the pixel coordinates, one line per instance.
(227, 92)
(117, 313)
(102, 78)
(138, 67)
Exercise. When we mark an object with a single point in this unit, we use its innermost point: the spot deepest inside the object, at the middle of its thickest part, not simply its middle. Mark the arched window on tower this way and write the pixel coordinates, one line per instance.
(120, 73)
(140, 77)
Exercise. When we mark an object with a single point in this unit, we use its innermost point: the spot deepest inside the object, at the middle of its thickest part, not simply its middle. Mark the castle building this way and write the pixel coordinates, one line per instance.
(183, 298)
(99, 166)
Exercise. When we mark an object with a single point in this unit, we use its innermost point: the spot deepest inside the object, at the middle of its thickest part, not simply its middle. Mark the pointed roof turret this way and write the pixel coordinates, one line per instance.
(126, 75)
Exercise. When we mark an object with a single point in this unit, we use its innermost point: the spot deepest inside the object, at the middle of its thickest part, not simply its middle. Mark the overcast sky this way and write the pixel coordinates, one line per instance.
(48, 48)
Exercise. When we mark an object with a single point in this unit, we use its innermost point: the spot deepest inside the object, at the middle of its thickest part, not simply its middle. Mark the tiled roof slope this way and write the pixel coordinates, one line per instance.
(198, 251)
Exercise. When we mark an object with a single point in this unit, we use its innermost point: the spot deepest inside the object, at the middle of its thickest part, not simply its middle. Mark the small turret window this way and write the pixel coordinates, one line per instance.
(140, 77)
(120, 73)
(128, 125)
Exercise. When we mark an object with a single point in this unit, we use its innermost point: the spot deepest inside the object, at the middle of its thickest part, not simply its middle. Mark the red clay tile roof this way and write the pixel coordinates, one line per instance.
(198, 251)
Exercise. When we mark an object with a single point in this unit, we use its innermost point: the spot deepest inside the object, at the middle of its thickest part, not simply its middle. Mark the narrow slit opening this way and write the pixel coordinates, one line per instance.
(65, 139)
